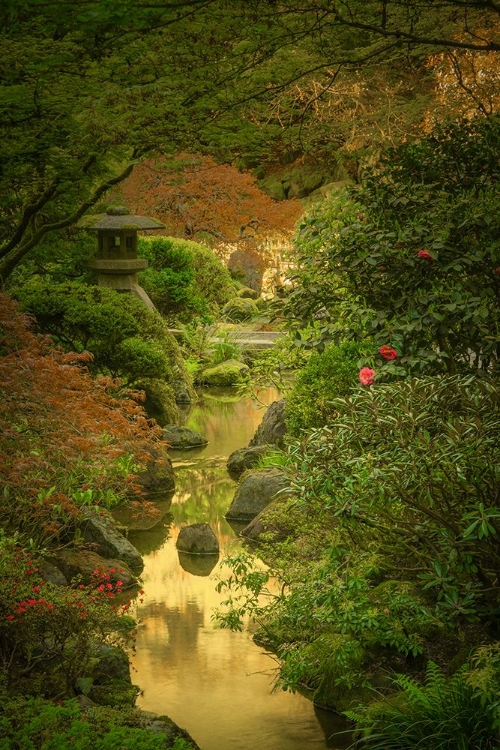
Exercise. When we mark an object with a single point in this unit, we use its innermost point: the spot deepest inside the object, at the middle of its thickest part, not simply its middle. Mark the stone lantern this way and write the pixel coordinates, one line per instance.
(116, 262)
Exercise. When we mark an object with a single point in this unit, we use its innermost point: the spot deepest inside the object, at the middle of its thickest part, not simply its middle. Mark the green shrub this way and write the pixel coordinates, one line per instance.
(326, 376)
(126, 338)
(34, 724)
(412, 256)
(389, 530)
(50, 635)
(184, 278)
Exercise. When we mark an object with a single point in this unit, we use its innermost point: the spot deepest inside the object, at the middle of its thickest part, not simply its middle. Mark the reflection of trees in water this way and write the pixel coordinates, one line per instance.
(226, 422)
(149, 540)
(203, 495)
(172, 630)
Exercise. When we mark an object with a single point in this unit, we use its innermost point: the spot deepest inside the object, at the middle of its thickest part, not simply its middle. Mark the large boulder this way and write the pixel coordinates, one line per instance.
(197, 539)
(228, 373)
(82, 564)
(182, 437)
(243, 459)
(100, 529)
(255, 492)
(271, 430)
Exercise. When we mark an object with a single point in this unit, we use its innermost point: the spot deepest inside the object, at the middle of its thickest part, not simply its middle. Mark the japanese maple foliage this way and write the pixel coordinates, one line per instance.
(63, 433)
(196, 197)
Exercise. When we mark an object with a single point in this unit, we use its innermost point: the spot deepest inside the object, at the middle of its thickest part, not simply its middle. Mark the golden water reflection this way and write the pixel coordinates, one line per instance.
(215, 683)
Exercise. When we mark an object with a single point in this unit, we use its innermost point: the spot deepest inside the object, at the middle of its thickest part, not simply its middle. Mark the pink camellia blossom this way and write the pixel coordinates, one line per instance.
(366, 376)
(388, 352)
(424, 254)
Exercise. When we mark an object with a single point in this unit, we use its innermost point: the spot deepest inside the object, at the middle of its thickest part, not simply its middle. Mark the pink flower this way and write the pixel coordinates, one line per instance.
(366, 376)
(424, 254)
(388, 352)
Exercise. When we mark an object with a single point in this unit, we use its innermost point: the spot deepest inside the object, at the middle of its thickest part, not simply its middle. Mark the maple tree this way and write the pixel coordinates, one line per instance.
(90, 88)
(65, 436)
(197, 198)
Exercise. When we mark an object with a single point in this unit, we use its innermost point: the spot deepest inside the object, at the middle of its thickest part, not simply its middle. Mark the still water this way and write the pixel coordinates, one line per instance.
(216, 684)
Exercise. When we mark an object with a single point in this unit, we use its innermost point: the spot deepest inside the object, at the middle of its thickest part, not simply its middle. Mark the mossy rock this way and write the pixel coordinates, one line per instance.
(160, 401)
(239, 309)
(304, 180)
(115, 694)
(274, 187)
(247, 292)
(228, 373)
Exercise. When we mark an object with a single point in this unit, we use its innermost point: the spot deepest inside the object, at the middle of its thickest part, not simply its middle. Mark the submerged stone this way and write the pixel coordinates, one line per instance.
(182, 437)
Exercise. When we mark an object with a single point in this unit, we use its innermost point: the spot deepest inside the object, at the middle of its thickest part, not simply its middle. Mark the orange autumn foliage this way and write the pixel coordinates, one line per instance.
(60, 430)
(200, 199)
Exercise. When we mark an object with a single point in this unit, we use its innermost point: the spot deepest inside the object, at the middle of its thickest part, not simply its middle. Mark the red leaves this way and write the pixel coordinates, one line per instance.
(56, 422)
(201, 196)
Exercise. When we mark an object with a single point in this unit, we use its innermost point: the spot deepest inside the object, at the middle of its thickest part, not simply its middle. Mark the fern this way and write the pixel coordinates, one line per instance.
(443, 714)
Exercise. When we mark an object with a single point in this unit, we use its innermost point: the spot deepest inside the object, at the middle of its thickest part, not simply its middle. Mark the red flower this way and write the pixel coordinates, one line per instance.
(388, 352)
(497, 271)
(366, 376)
(424, 254)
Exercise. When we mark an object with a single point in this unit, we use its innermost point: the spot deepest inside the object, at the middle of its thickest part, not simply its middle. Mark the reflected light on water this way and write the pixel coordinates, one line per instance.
(215, 683)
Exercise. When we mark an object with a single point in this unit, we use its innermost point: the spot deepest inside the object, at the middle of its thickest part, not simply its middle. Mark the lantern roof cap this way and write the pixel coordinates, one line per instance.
(119, 217)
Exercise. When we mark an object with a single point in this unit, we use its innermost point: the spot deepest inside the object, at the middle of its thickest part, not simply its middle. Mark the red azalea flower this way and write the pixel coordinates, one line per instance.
(366, 376)
(424, 254)
(388, 352)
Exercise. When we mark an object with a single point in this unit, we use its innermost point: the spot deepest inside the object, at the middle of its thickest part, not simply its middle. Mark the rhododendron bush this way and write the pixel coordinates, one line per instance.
(63, 433)
(50, 634)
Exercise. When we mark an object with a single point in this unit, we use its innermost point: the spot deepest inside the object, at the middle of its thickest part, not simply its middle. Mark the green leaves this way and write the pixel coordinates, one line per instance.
(408, 257)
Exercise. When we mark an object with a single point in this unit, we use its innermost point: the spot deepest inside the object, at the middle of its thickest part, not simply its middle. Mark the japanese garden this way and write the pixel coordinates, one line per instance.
(249, 374)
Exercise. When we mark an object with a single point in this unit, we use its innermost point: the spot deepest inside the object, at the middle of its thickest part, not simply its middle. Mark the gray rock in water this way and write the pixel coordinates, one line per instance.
(182, 438)
(255, 492)
(158, 475)
(198, 539)
(99, 528)
(243, 459)
(272, 429)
